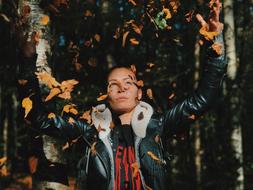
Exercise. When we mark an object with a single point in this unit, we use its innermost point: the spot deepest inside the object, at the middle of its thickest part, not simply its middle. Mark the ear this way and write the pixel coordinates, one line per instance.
(139, 94)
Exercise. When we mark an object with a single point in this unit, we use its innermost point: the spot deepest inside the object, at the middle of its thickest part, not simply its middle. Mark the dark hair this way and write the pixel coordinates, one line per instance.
(117, 67)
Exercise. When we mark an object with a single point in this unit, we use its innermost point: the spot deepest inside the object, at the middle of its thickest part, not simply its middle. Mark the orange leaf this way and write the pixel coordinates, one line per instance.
(73, 111)
(132, 2)
(33, 163)
(44, 20)
(27, 104)
(53, 93)
(65, 95)
(193, 117)
(3, 160)
(201, 42)
(71, 121)
(217, 47)
(103, 97)
(4, 171)
(137, 28)
(25, 181)
(111, 125)
(167, 13)
(47, 79)
(206, 34)
(133, 68)
(150, 65)
(70, 108)
(97, 37)
(174, 4)
(51, 116)
(86, 116)
(140, 83)
(133, 41)
(68, 85)
(22, 82)
(150, 93)
(188, 16)
(66, 146)
(93, 149)
(136, 169)
(87, 13)
(171, 96)
(124, 38)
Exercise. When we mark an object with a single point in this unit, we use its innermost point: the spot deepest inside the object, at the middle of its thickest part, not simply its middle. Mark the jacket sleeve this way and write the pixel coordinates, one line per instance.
(177, 119)
(38, 116)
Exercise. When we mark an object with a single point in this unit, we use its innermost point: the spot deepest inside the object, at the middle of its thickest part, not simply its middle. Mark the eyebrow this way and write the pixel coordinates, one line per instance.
(129, 77)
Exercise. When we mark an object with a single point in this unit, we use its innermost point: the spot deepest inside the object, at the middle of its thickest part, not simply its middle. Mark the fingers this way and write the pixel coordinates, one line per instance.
(201, 20)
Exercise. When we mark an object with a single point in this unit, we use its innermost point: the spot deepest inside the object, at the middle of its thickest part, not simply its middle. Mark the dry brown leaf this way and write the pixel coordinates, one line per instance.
(33, 163)
(102, 97)
(133, 68)
(132, 2)
(97, 37)
(206, 34)
(27, 104)
(140, 83)
(86, 116)
(167, 13)
(133, 41)
(88, 13)
(150, 93)
(22, 82)
(3, 160)
(171, 96)
(54, 92)
(135, 166)
(51, 116)
(47, 79)
(111, 125)
(44, 20)
(124, 38)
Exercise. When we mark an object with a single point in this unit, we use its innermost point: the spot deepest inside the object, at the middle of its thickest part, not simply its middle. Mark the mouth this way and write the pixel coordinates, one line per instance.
(120, 99)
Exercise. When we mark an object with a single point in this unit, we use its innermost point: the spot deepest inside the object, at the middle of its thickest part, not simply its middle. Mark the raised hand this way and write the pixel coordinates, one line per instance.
(213, 23)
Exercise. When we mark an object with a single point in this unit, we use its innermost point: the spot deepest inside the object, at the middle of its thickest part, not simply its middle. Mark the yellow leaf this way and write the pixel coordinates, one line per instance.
(150, 93)
(133, 41)
(206, 34)
(51, 116)
(70, 108)
(103, 97)
(217, 47)
(44, 20)
(71, 120)
(124, 38)
(53, 92)
(86, 116)
(97, 37)
(3, 160)
(167, 13)
(33, 162)
(47, 79)
(27, 104)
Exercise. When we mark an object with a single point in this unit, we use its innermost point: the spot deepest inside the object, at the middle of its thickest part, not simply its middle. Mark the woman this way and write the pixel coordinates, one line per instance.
(127, 134)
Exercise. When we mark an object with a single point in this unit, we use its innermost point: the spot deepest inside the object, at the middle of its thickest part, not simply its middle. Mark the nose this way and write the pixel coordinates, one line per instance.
(122, 88)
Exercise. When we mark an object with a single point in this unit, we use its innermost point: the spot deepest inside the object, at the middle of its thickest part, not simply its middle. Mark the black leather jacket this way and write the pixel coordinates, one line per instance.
(100, 167)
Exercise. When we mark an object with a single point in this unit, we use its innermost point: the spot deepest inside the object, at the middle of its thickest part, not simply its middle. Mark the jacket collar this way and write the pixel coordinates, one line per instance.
(102, 119)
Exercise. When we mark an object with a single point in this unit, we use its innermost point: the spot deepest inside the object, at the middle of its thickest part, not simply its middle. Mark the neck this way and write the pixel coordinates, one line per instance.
(126, 118)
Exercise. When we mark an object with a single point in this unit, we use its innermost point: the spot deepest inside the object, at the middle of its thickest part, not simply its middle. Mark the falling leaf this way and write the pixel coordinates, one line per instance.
(206, 34)
(3, 160)
(189, 15)
(148, 188)
(93, 149)
(150, 93)
(124, 38)
(51, 116)
(192, 117)
(140, 83)
(174, 4)
(133, 41)
(66, 146)
(137, 28)
(171, 96)
(44, 20)
(65, 95)
(151, 65)
(47, 79)
(153, 156)
(70, 108)
(102, 97)
(71, 121)
(132, 2)
(117, 33)
(4, 171)
(27, 105)
(86, 116)
(88, 13)
(33, 163)
(133, 68)
(136, 169)
(217, 47)
(22, 82)
(5, 17)
(53, 92)
(97, 37)
(68, 85)
(167, 13)
(201, 42)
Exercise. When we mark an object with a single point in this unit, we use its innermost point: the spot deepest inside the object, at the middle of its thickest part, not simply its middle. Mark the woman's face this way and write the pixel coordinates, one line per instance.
(123, 93)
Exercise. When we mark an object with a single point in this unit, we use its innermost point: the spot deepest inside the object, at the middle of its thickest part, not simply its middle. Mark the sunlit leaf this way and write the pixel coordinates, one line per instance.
(44, 20)
(206, 34)
(217, 47)
(53, 92)
(27, 104)
(86, 116)
(102, 97)
(51, 116)
(153, 156)
(167, 13)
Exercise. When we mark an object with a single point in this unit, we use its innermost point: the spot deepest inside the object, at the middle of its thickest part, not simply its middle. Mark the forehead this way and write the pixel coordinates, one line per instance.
(121, 73)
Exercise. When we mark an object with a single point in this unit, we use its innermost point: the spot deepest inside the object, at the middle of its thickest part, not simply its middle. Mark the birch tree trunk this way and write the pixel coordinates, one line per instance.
(39, 29)
(235, 104)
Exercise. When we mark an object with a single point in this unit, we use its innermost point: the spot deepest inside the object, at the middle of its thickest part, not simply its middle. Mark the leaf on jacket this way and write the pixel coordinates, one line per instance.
(135, 167)
(71, 121)
(53, 92)
(44, 20)
(86, 116)
(153, 156)
(150, 93)
(70, 108)
(51, 115)
(102, 97)
(27, 104)
(217, 47)
(93, 149)
(206, 34)
(33, 163)
(47, 79)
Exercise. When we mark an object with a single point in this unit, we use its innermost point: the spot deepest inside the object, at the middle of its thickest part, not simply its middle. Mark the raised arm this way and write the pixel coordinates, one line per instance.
(185, 112)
